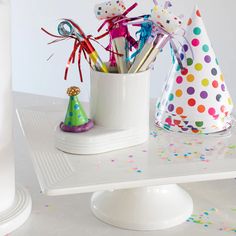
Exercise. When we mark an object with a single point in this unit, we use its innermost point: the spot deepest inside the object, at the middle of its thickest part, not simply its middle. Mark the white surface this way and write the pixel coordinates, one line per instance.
(7, 169)
(15, 216)
(153, 163)
(34, 74)
(120, 111)
(71, 215)
(150, 208)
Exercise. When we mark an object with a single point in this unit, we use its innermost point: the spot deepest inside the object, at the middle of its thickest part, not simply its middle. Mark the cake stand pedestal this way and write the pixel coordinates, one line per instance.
(18, 213)
(148, 208)
(134, 188)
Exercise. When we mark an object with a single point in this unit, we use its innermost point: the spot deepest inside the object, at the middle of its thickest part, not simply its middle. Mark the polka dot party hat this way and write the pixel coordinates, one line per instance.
(195, 99)
(76, 120)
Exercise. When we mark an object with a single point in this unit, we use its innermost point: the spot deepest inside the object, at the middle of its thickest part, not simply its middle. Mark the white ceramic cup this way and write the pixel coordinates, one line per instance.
(120, 101)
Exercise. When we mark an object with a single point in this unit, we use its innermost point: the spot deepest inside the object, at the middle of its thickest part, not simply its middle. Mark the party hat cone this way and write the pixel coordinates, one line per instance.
(76, 120)
(195, 99)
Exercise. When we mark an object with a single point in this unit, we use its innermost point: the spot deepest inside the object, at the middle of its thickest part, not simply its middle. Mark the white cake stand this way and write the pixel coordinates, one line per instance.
(18, 213)
(135, 188)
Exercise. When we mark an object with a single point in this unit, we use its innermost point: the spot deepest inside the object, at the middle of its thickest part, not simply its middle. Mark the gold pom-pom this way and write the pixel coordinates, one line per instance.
(73, 91)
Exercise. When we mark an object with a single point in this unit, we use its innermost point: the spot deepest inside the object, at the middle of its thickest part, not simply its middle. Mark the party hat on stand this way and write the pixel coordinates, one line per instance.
(76, 120)
(195, 99)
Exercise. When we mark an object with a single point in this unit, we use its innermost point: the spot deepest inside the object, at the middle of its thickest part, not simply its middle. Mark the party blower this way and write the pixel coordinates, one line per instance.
(165, 25)
(115, 15)
(69, 28)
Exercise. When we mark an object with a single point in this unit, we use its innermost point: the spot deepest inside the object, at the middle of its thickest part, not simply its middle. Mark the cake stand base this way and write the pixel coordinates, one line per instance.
(99, 140)
(18, 213)
(149, 208)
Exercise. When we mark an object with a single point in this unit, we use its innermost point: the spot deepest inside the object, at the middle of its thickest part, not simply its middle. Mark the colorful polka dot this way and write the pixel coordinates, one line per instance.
(218, 97)
(230, 101)
(207, 59)
(212, 111)
(178, 67)
(223, 87)
(191, 102)
(182, 56)
(179, 110)
(205, 82)
(177, 122)
(179, 93)
(217, 63)
(190, 90)
(197, 31)
(184, 71)
(168, 121)
(199, 123)
(222, 78)
(185, 47)
(189, 61)
(214, 71)
(204, 94)
(215, 84)
(201, 108)
(171, 107)
(179, 80)
(205, 48)
(198, 13)
(195, 42)
(190, 21)
(190, 78)
(76, 107)
(198, 66)
(195, 131)
(171, 97)
(222, 109)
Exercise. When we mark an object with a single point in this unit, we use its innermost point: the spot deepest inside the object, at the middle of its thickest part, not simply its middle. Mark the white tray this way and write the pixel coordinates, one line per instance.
(166, 159)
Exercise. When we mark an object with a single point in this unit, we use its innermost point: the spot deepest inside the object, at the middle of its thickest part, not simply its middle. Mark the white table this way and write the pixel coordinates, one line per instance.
(66, 215)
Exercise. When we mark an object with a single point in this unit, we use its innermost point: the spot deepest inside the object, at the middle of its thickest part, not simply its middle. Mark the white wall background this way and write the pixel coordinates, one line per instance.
(32, 73)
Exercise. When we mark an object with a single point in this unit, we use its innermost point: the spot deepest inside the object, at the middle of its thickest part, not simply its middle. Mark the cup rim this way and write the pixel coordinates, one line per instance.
(120, 74)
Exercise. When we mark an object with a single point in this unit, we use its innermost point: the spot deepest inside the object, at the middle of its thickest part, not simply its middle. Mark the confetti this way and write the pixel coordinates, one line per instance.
(204, 219)
(153, 134)
(232, 147)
